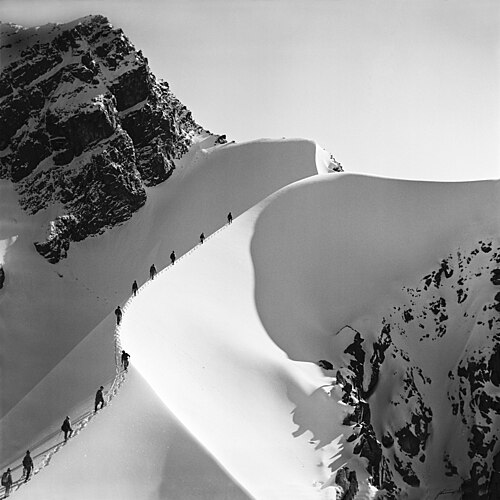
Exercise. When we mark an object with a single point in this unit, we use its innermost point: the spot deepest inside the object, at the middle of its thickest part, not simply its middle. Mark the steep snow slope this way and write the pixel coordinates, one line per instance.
(208, 336)
(135, 448)
(400, 300)
(60, 304)
(207, 356)
(209, 182)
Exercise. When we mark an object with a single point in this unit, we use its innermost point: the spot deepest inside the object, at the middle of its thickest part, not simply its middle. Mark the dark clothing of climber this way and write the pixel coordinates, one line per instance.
(118, 312)
(152, 272)
(99, 398)
(66, 428)
(125, 356)
(7, 482)
(27, 465)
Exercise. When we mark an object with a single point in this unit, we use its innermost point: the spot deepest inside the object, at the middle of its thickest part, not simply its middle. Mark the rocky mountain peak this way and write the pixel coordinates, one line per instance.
(84, 125)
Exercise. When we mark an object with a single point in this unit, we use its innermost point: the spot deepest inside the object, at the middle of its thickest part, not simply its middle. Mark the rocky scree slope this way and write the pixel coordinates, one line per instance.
(84, 126)
(424, 385)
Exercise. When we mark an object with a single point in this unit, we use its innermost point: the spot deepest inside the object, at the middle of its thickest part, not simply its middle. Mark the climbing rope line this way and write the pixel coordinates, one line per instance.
(82, 420)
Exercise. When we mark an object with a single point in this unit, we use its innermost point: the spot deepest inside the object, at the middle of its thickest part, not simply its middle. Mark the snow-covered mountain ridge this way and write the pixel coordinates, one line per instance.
(84, 124)
(394, 282)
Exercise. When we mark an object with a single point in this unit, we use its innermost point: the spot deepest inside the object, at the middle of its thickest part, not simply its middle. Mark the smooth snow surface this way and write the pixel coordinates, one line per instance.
(60, 304)
(224, 399)
(209, 182)
(347, 244)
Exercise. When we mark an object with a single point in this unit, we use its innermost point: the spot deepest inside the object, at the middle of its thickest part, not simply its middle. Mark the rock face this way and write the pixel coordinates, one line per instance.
(424, 384)
(84, 124)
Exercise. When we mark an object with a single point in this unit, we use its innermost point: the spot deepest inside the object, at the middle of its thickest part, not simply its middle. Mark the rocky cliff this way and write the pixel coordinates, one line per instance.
(84, 126)
(424, 385)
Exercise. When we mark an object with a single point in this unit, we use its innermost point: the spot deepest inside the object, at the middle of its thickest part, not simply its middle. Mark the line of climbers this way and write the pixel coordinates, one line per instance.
(99, 402)
(152, 272)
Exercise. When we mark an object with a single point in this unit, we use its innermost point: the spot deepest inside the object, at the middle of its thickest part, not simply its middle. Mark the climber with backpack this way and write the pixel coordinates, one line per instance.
(66, 428)
(7, 481)
(27, 465)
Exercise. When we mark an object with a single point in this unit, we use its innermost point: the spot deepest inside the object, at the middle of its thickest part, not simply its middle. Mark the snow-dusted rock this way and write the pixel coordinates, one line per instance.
(412, 446)
(84, 123)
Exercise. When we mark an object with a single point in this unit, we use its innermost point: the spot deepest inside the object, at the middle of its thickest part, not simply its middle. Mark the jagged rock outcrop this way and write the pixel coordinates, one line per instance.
(2, 276)
(84, 123)
(433, 370)
(347, 482)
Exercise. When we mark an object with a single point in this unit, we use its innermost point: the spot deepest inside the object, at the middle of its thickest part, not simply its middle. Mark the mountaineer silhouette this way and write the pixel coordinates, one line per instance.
(172, 257)
(27, 465)
(118, 313)
(66, 428)
(99, 398)
(152, 272)
(125, 356)
(202, 238)
(229, 218)
(7, 481)
(134, 288)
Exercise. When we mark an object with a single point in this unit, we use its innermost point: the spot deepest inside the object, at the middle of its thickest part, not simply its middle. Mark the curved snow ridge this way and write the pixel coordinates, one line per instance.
(362, 241)
(223, 378)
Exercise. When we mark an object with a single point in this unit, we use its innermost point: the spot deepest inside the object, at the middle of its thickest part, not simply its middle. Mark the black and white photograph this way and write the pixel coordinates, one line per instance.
(250, 249)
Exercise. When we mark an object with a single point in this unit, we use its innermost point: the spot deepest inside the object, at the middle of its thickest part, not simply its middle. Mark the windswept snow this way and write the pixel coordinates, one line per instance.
(207, 184)
(348, 243)
(60, 304)
(224, 398)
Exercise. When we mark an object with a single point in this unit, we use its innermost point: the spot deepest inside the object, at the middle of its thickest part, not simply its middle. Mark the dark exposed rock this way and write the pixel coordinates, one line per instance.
(83, 101)
(326, 365)
(387, 440)
(495, 276)
(348, 482)
(132, 87)
(408, 442)
(2, 276)
(494, 366)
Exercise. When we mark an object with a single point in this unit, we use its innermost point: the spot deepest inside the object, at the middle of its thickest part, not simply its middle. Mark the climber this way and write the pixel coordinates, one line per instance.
(229, 218)
(202, 238)
(27, 465)
(134, 288)
(118, 312)
(152, 272)
(99, 399)
(7, 481)
(66, 428)
(125, 356)
(172, 257)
